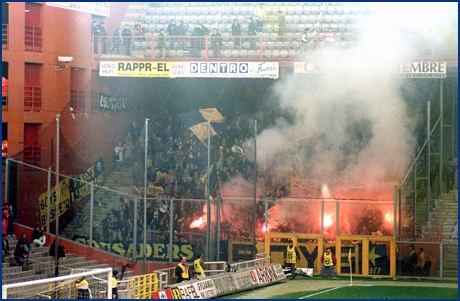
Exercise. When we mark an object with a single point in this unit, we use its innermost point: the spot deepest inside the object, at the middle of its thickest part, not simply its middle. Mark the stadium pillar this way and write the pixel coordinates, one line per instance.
(208, 197)
(48, 201)
(58, 194)
(255, 190)
(91, 214)
(146, 143)
(7, 178)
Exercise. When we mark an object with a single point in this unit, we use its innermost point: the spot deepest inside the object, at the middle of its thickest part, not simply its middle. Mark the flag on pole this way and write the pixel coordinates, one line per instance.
(351, 267)
(197, 122)
(204, 178)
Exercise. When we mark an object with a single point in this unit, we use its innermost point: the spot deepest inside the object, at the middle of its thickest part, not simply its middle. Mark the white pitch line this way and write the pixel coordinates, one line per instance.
(334, 288)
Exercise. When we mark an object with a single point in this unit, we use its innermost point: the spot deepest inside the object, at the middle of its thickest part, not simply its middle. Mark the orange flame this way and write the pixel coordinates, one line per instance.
(389, 217)
(199, 223)
(327, 221)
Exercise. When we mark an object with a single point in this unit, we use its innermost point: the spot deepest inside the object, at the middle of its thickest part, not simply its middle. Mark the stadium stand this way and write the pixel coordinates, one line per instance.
(43, 266)
(319, 17)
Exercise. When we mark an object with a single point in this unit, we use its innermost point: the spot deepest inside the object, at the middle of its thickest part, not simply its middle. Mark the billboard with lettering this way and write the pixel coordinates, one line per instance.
(190, 69)
(205, 288)
(268, 274)
(244, 280)
(96, 8)
(408, 70)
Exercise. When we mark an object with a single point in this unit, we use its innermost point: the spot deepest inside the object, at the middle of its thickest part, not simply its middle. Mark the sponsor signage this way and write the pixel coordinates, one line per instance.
(408, 70)
(267, 274)
(224, 284)
(227, 283)
(135, 69)
(96, 8)
(243, 280)
(163, 294)
(205, 288)
(190, 69)
(234, 69)
(185, 291)
(423, 70)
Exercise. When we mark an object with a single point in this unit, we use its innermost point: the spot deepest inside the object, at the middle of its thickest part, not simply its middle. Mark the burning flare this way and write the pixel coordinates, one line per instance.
(199, 223)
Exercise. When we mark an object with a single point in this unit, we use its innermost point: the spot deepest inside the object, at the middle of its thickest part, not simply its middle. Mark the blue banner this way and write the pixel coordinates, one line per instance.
(79, 188)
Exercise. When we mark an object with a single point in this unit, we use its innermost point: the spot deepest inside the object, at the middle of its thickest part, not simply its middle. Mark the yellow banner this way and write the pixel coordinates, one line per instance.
(64, 202)
(136, 69)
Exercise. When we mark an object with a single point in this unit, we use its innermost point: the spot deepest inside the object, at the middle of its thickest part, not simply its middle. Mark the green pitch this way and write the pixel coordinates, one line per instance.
(375, 292)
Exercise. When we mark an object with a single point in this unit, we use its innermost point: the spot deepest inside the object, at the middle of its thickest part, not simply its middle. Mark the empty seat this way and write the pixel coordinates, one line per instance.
(235, 53)
(205, 9)
(252, 53)
(315, 8)
(296, 18)
(243, 53)
(194, 18)
(312, 18)
(336, 18)
(268, 53)
(339, 8)
(292, 53)
(275, 53)
(167, 10)
(292, 8)
(221, 9)
(182, 10)
(304, 18)
(295, 45)
(284, 53)
(269, 44)
(268, 27)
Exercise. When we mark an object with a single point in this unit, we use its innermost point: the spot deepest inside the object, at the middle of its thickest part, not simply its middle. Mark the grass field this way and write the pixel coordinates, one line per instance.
(375, 292)
(362, 288)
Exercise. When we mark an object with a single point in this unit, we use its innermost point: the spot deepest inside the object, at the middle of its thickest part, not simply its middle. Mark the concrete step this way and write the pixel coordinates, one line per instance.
(20, 274)
(453, 274)
(444, 215)
(450, 256)
(445, 208)
(26, 292)
(11, 270)
(23, 279)
(451, 248)
(444, 223)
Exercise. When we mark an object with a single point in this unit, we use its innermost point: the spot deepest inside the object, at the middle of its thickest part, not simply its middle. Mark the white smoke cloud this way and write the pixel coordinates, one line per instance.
(332, 108)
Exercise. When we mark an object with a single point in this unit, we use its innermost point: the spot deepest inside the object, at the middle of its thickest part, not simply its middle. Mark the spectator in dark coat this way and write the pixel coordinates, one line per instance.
(127, 37)
(21, 255)
(61, 250)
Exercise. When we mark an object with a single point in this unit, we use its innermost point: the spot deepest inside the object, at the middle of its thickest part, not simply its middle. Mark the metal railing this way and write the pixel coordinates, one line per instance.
(228, 46)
